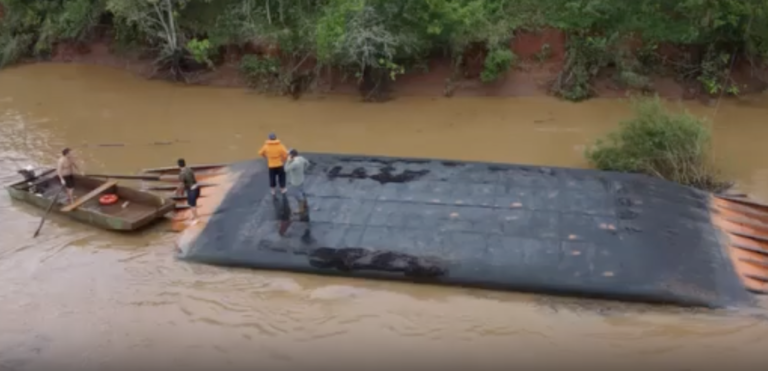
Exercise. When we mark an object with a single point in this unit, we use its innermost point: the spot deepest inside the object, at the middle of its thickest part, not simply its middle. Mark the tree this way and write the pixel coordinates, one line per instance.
(33, 27)
(158, 21)
(363, 35)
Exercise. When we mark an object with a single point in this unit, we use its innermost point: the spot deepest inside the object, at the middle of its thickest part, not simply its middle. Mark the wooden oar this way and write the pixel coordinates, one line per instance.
(43, 174)
(175, 169)
(35, 181)
(50, 207)
(182, 198)
(159, 178)
(173, 187)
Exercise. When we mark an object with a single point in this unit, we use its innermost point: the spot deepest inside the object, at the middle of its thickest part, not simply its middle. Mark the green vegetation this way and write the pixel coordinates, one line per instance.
(375, 41)
(497, 62)
(261, 72)
(30, 28)
(672, 146)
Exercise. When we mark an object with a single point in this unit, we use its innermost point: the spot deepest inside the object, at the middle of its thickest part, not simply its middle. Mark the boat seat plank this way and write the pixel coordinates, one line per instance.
(89, 196)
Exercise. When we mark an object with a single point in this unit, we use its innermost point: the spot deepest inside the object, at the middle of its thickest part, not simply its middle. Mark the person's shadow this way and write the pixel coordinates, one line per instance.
(283, 214)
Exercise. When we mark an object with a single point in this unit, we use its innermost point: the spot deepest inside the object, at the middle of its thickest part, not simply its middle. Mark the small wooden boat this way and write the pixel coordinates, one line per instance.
(133, 210)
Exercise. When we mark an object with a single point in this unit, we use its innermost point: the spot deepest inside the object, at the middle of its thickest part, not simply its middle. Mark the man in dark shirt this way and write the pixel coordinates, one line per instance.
(188, 185)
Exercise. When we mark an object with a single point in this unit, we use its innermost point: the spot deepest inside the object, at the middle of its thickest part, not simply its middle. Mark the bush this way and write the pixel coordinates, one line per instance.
(586, 57)
(263, 73)
(201, 51)
(656, 142)
(14, 48)
(31, 28)
(497, 62)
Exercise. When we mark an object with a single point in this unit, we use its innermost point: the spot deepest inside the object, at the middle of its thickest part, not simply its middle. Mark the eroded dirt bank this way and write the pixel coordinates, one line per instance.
(540, 58)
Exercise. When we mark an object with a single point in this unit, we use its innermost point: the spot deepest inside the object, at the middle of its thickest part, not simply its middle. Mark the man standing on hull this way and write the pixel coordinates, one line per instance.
(188, 185)
(295, 169)
(276, 154)
(66, 169)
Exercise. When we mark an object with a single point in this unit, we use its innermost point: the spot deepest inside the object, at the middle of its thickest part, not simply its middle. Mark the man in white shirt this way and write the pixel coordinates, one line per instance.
(294, 170)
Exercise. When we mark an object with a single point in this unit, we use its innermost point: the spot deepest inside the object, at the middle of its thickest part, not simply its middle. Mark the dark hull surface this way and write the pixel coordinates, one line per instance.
(522, 228)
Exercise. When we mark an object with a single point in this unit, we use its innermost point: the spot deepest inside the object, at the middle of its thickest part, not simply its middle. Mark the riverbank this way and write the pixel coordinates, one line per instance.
(531, 77)
(571, 49)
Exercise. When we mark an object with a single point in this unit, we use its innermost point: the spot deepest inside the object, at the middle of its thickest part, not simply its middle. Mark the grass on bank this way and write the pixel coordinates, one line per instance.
(672, 146)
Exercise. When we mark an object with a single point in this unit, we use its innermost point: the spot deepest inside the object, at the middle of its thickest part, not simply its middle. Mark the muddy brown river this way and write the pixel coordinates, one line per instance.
(83, 297)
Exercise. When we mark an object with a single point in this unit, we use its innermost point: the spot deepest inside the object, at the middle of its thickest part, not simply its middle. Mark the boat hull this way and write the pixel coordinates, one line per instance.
(571, 232)
(153, 208)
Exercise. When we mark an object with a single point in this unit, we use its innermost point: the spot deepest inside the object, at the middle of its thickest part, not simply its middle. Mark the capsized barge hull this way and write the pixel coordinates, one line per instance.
(534, 229)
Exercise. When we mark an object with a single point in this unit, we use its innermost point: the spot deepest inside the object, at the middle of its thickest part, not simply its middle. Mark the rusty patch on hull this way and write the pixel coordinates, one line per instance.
(745, 223)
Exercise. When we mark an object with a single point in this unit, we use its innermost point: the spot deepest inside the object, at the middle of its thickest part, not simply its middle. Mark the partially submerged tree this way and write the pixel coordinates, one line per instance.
(671, 146)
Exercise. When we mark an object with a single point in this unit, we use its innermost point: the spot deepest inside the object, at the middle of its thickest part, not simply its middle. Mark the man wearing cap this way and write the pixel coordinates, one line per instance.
(276, 154)
(295, 168)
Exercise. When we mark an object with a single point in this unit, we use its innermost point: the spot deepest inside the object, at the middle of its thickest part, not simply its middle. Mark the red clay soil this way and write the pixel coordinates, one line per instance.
(528, 45)
(101, 53)
(532, 76)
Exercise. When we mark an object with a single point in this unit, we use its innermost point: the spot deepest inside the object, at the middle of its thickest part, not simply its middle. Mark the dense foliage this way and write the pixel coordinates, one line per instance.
(377, 40)
(657, 142)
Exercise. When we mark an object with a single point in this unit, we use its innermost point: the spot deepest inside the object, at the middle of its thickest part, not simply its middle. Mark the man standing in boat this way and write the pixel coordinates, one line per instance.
(295, 168)
(276, 154)
(66, 169)
(189, 186)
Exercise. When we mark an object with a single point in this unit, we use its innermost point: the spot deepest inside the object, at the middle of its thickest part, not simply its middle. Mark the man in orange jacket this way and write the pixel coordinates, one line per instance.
(276, 154)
